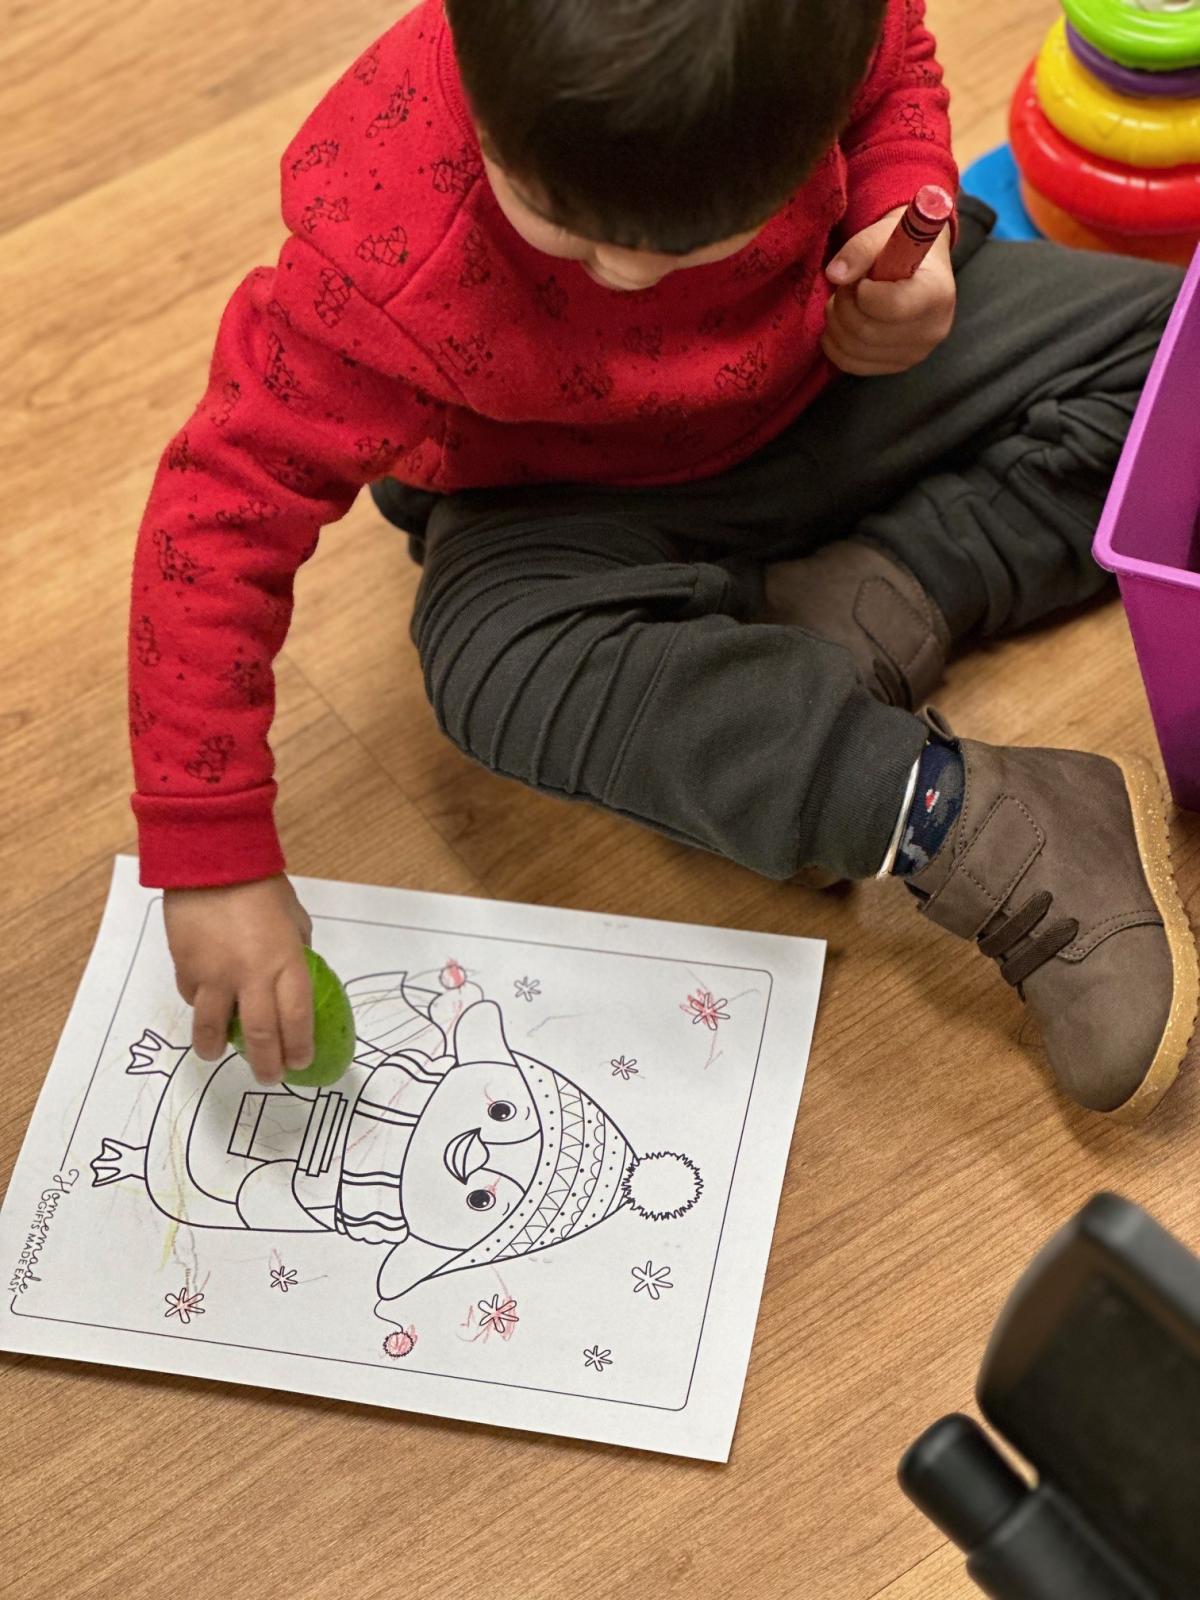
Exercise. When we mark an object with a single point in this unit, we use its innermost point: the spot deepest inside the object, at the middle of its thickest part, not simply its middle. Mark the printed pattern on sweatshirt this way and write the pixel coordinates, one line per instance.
(406, 329)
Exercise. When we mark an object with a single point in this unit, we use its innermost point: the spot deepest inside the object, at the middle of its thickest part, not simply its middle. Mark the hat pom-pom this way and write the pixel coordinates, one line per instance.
(662, 1184)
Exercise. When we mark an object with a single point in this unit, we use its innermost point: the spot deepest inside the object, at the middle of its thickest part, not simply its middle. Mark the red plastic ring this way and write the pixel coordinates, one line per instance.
(1099, 193)
(1057, 224)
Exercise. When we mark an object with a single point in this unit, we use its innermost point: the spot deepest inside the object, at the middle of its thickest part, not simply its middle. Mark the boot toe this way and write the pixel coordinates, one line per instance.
(1103, 1031)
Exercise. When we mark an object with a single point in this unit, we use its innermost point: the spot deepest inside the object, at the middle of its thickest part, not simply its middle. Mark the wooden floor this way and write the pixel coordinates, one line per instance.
(930, 1159)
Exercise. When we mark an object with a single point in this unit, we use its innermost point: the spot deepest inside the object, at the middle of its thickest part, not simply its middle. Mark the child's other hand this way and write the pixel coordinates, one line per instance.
(244, 945)
(878, 328)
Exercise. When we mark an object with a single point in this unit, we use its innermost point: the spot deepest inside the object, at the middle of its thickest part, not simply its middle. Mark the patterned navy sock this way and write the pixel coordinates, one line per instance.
(936, 804)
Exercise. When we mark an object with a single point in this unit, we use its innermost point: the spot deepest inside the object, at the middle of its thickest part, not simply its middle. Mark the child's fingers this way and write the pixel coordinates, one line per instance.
(858, 255)
(908, 301)
(293, 993)
(258, 1013)
(210, 1022)
(860, 364)
(855, 329)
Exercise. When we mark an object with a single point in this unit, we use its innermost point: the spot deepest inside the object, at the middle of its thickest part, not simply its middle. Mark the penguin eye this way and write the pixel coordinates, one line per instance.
(502, 1110)
(481, 1199)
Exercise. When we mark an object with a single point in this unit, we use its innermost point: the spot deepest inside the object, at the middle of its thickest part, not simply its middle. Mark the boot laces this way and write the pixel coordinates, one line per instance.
(1013, 943)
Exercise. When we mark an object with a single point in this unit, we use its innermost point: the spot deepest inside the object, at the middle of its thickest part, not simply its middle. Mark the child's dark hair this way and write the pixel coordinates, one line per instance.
(662, 124)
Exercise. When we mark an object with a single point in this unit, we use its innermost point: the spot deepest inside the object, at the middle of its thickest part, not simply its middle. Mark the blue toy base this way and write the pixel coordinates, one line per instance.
(994, 179)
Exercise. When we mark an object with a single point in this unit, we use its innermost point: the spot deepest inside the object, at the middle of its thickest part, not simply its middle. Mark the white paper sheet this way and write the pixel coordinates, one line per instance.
(542, 1197)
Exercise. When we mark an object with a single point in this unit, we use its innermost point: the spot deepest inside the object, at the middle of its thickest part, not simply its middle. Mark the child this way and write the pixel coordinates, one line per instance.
(568, 284)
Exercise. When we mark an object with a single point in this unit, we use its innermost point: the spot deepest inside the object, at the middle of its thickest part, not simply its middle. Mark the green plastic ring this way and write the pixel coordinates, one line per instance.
(1155, 35)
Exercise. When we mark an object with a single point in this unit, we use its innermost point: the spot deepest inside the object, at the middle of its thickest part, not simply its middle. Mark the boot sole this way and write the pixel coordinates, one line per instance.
(1147, 802)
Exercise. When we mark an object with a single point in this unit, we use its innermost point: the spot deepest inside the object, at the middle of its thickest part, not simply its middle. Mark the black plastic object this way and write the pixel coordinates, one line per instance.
(1093, 1375)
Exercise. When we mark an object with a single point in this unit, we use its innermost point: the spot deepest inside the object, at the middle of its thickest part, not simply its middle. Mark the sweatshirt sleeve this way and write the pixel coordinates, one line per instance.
(297, 417)
(899, 135)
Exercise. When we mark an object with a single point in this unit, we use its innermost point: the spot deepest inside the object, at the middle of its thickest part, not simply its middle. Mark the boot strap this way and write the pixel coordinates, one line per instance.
(986, 872)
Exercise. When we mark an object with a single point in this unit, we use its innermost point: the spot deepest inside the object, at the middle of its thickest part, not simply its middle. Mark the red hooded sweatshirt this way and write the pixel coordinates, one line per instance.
(407, 329)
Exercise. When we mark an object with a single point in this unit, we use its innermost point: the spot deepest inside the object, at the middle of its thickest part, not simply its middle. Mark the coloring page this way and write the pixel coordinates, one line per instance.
(542, 1195)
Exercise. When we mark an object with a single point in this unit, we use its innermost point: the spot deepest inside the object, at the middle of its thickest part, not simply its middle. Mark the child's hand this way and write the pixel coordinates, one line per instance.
(244, 946)
(877, 328)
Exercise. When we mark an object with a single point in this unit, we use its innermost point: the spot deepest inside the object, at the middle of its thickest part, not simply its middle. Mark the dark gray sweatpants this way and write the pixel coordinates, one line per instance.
(601, 644)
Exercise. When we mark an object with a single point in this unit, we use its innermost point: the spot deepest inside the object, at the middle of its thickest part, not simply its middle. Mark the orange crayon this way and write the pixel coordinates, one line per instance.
(915, 235)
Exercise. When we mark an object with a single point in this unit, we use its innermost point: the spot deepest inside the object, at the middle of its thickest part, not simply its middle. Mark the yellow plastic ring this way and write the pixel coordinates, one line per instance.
(1140, 132)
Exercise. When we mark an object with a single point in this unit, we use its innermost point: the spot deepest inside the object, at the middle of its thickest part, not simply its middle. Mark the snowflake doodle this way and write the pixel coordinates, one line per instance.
(487, 1317)
(527, 989)
(652, 1279)
(185, 1305)
(702, 1007)
(597, 1358)
(498, 1316)
(283, 1278)
(625, 1068)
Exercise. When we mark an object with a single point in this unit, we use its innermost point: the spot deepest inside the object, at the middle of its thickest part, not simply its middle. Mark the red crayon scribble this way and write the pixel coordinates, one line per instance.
(495, 1316)
(702, 1007)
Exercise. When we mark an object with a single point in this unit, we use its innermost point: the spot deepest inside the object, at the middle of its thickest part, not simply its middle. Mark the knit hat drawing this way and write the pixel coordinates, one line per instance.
(587, 1170)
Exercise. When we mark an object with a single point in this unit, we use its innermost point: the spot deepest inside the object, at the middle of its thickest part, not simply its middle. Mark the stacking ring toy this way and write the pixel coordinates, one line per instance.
(1141, 133)
(1175, 248)
(1181, 85)
(1100, 193)
(1157, 35)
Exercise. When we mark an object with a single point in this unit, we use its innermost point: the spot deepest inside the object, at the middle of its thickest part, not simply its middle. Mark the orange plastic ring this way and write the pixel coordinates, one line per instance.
(1175, 248)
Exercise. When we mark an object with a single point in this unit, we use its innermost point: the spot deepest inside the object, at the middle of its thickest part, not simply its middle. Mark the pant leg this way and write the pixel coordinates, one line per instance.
(985, 469)
(576, 651)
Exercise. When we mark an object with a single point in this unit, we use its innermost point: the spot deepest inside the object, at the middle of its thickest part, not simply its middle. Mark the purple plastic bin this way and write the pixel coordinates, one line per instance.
(1149, 536)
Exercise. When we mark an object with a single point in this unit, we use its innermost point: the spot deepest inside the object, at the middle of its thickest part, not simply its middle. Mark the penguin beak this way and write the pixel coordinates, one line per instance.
(465, 1154)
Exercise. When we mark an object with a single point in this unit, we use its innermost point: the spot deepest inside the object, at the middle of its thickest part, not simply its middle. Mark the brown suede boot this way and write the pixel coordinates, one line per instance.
(858, 597)
(1059, 866)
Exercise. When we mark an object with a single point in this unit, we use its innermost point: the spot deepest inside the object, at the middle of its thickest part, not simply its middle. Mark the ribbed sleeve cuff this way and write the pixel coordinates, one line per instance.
(877, 183)
(201, 842)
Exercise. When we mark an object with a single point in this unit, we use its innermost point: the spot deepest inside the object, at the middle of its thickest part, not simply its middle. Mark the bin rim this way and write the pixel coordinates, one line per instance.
(1188, 304)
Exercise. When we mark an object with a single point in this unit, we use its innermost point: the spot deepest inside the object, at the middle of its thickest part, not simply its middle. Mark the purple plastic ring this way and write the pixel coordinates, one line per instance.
(1183, 84)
